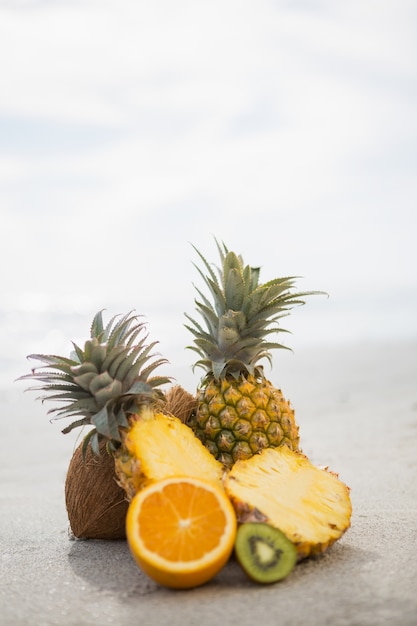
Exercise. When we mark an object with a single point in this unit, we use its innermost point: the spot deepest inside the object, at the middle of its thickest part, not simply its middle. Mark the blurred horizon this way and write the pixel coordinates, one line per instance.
(129, 131)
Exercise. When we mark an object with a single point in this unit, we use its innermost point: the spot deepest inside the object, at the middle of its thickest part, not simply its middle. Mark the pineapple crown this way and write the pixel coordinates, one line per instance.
(103, 383)
(241, 315)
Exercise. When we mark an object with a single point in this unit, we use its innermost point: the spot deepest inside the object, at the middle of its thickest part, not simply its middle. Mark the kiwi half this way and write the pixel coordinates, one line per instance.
(264, 552)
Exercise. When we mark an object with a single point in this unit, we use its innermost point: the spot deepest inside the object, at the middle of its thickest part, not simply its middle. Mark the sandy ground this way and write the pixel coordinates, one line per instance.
(357, 410)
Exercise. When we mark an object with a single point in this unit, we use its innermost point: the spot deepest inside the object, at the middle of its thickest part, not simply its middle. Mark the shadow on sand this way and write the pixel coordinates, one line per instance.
(109, 566)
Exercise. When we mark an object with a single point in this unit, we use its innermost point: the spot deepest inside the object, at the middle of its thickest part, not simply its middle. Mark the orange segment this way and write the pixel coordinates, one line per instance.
(181, 531)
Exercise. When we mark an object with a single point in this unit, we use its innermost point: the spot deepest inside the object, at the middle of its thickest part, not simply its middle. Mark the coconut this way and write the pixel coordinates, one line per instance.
(180, 403)
(96, 504)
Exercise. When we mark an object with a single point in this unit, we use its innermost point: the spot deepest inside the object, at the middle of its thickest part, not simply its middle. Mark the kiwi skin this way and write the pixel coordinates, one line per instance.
(264, 552)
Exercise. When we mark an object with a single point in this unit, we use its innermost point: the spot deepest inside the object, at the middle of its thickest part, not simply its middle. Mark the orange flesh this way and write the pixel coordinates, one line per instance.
(183, 532)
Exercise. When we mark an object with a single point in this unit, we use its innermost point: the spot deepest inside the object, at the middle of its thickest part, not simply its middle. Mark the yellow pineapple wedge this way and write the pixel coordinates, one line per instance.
(159, 446)
(280, 487)
(108, 386)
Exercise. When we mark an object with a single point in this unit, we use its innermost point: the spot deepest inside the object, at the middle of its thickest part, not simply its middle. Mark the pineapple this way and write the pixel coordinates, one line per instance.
(240, 412)
(280, 487)
(108, 385)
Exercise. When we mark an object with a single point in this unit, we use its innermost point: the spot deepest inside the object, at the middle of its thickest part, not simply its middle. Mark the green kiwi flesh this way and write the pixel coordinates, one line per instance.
(264, 552)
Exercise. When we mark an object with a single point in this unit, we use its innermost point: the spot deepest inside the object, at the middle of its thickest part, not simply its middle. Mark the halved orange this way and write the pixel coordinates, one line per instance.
(181, 531)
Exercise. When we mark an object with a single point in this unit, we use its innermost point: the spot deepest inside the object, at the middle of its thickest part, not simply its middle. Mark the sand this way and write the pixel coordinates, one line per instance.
(357, 410)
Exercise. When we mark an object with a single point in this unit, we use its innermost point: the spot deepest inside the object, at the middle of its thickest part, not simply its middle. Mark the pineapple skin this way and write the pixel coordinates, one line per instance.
(237, 418)
(280, 487)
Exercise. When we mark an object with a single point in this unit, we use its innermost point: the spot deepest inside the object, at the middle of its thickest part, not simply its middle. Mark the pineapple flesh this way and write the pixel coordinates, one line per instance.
(159, 446)
(280, 487)
(240, 412)
(109, 385)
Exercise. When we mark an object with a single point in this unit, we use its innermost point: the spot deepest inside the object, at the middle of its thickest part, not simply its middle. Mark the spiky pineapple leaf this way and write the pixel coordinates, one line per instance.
(85, 406)
(140, 388)
(210, 317)
(97, 326)
(240, 313)
(102, 383)
(97, 356)
(84, 368)
(233, 287)
(81, 422)
(77, 355)
(105, 394)
(147, 371)
(91, 439)
(85, 380)
(52, 359)
(106, 424)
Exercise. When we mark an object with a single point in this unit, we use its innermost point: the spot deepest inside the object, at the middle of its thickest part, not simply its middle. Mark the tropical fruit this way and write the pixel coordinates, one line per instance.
(95, 502)
(264, 552)
(240, 411)
(309, 505)
(109, 385)
(181, 531)
(159, 446)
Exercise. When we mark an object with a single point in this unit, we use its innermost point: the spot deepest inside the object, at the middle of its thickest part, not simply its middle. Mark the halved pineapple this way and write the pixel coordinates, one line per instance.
(311, 506)
(159, 446)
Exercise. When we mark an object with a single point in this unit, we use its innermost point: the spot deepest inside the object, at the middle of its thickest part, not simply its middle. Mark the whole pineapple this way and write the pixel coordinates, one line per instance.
(109, 385)
(240, 412)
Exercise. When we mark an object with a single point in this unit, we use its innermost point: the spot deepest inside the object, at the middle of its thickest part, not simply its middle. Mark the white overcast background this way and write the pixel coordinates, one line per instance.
(131, 129)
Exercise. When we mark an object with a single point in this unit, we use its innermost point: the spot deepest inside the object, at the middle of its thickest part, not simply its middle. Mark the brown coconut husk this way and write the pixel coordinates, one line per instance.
(96, 504)
(180, 403)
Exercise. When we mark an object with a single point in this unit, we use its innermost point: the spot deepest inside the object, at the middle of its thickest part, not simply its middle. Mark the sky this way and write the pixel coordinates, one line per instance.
(131, 131)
